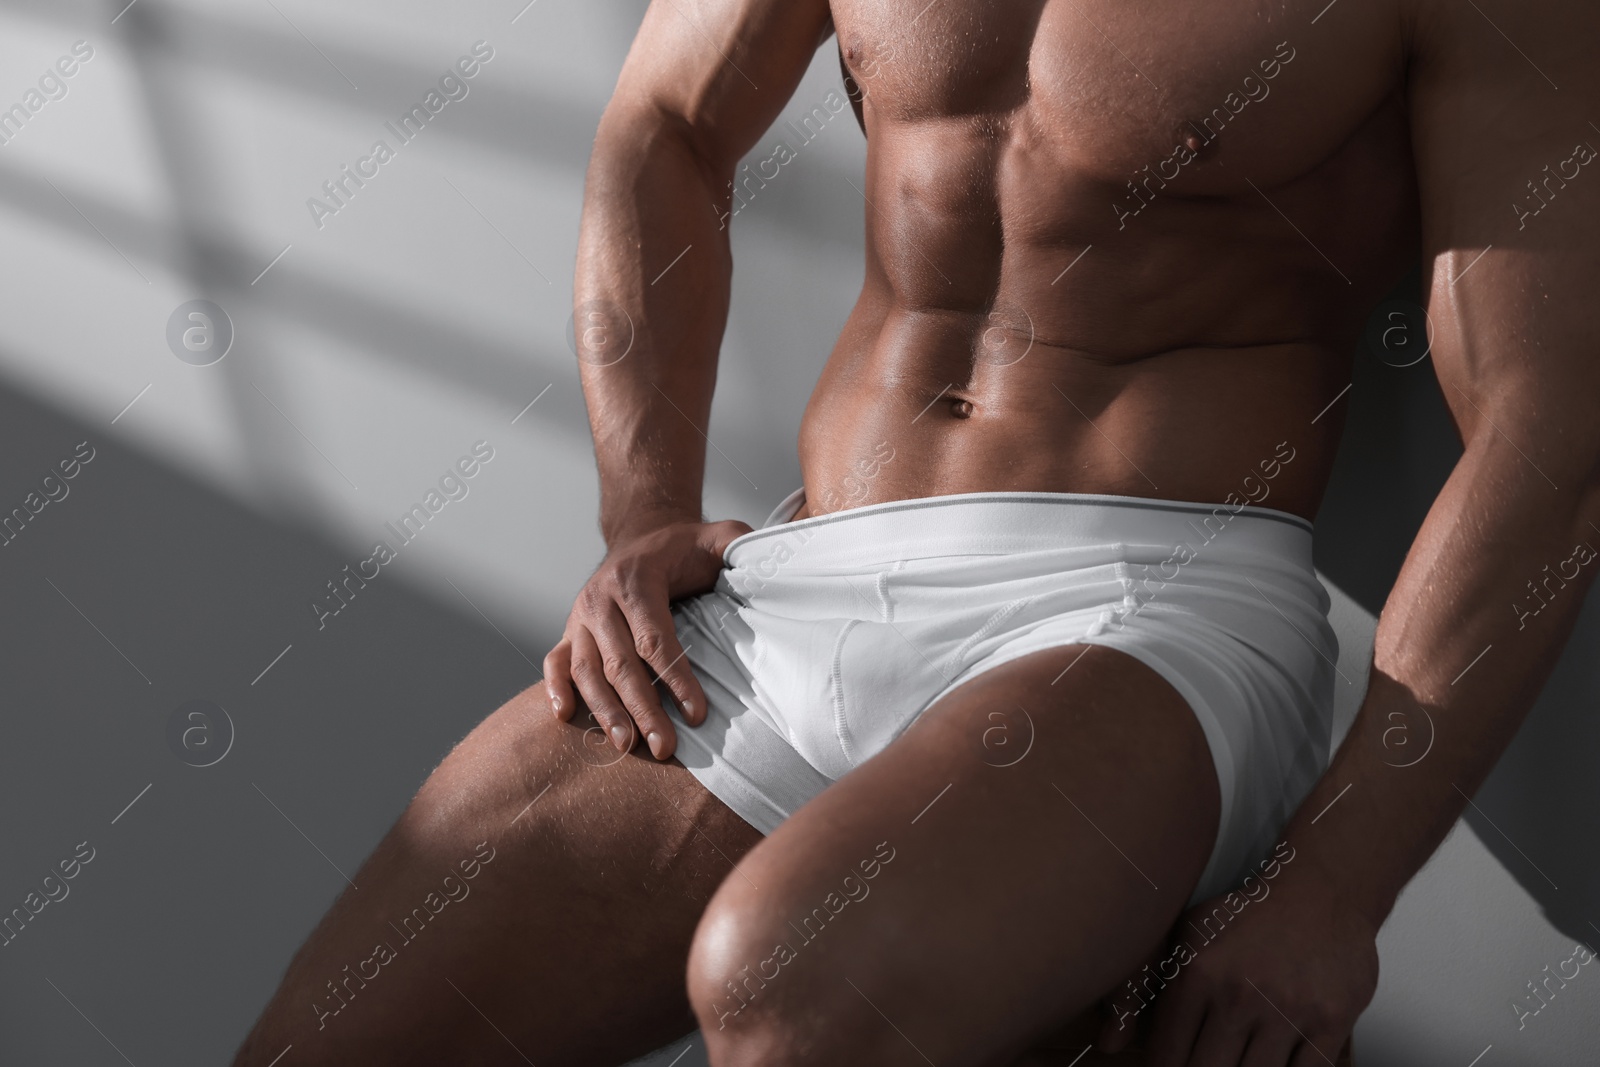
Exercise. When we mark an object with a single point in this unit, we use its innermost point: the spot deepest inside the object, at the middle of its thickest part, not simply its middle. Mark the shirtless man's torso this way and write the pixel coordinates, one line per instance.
(1076, 259)
(1113, 251)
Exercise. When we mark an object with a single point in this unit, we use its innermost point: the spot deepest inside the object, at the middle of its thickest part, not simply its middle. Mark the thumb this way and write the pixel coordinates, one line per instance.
(717, 536)
(695, 570)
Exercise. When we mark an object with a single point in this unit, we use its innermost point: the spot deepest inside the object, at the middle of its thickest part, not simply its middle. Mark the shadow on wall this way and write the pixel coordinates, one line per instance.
(174, 53)
(137, 592)
(1542, 803)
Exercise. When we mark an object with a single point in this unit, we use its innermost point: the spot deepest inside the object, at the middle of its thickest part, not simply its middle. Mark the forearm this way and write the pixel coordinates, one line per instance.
(651, 300)
(1463, 647)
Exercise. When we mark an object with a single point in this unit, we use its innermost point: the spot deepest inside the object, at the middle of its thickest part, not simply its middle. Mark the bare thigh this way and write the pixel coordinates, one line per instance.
(566, 946)
(1019, 851)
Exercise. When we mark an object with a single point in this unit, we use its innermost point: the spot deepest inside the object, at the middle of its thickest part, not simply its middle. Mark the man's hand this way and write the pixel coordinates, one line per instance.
(1281, 985)
(620, 632)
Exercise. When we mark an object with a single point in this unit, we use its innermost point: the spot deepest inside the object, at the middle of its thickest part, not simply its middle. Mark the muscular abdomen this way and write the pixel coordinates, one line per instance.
(1030, 322)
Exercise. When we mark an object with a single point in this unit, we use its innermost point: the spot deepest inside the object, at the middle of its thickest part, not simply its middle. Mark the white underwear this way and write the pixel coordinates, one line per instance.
(825, 638)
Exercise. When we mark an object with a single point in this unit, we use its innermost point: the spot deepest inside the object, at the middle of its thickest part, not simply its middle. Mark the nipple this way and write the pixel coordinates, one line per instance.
(1192, 143)
(961, 409)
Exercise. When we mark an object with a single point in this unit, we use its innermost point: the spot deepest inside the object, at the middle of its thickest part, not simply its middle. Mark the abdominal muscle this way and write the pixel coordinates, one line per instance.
(1084, 393)
(1208, 426)
(1021, 327)
(1012, 333)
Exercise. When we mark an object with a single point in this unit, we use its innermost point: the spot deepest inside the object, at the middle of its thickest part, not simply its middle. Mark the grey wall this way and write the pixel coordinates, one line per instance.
(422, 317)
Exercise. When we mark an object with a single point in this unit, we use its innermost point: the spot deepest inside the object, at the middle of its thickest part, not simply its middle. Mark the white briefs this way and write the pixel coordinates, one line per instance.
(825, 638)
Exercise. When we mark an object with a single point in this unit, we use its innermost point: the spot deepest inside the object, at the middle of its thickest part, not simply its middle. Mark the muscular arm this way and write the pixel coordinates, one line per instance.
(1517, 351)
(703, 80)
(1463, 643)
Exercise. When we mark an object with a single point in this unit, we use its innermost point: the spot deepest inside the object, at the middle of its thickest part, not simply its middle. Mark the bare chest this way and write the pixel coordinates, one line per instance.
(1222, 92)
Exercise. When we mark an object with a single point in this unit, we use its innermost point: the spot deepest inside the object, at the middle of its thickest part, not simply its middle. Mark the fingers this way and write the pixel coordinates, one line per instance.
(588, 672)
(621, 638)
(1230, 1037)
(655, 639)
(1318, 1052)
(625, 671)
(1222, 1040)
(1178, 1017)
(558, 680)
(1271, 1046)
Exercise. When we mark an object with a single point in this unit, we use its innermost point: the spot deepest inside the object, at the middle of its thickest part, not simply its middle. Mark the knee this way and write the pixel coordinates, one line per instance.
(764, 994)
(734, 997)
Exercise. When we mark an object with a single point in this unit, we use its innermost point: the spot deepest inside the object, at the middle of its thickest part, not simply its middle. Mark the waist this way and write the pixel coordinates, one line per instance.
(1144, 530)
(1259, 425)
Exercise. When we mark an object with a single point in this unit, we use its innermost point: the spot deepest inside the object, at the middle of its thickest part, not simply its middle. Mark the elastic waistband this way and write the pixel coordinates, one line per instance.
(1004, 523)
